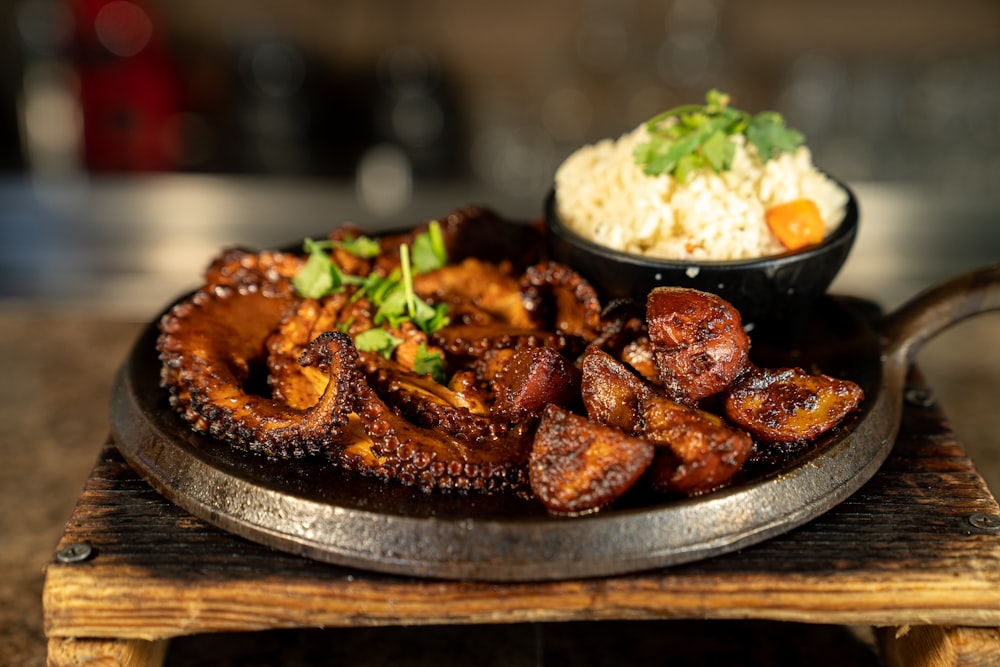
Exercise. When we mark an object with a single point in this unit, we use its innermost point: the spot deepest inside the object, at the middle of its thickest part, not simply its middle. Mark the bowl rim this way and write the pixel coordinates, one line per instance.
(846, 231)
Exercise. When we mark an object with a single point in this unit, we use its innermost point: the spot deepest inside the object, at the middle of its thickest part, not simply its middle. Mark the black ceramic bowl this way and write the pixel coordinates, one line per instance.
(775, 289)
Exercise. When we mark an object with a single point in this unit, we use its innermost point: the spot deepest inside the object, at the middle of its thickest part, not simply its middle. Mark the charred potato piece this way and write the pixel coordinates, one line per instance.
(789, 404)
(577, 465)
(532, 378)
(699, 345)
(611, 392)
(699, 452)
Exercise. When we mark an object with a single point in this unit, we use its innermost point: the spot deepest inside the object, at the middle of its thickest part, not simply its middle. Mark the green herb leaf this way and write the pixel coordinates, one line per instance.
(716, 101)
(377, 289)
(439, 320)
(428, 250)
(393, 296)
(689, 137)
(718, 151)
(429, 363)
(377, 340)
(362, 246)
(669, 151)
(768, 133)
(392, 307)
(429, 318)
(407, 273)
(687, 165)
(319, 276)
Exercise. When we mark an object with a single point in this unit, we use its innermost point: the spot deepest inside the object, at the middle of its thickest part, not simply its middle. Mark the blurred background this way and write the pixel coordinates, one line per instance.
(498, 92)
(138, 137)
(142, 125)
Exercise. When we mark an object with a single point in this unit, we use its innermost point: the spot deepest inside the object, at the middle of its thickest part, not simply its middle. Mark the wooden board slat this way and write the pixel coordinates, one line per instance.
(902, 551)
(934, 646)
(74, 652)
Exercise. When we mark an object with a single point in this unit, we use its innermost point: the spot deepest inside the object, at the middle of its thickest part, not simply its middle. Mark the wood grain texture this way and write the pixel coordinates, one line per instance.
(901, 551)
(936, 646)
(73, 652)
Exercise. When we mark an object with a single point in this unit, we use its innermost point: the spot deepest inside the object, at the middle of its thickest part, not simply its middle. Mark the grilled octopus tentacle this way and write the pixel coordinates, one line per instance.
(560, 299)
(424, 402)
(211, 346)
(216, 345)
(393, 448)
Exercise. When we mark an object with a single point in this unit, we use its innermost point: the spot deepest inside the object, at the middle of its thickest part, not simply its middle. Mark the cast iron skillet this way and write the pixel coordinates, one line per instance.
(318, 511)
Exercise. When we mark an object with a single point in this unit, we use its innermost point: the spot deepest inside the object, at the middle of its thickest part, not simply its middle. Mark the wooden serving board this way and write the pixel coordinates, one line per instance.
(917, 548)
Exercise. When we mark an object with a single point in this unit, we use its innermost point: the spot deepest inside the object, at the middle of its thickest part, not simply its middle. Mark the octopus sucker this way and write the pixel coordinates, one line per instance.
(244, 270)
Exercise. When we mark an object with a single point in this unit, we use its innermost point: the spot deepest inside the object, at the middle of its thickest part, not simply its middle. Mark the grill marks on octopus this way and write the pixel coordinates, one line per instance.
(547, 392)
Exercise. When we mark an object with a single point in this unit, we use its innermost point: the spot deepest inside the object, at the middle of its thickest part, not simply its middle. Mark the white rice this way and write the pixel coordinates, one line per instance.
(604, 196)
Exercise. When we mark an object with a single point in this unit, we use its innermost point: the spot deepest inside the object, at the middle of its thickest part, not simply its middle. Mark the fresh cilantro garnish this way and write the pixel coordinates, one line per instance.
(428, 250)
(689, 137)
(768, 133)
(377, 340)
(392, 296)
(319, 276)
(430, 363)
(438, 319)
(362, 246)
(389, 297)
(429, 318)
(375, 287)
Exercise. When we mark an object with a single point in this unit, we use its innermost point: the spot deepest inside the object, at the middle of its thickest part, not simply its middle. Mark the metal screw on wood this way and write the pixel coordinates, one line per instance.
(919, 396)
(75, 553)
(987, 523)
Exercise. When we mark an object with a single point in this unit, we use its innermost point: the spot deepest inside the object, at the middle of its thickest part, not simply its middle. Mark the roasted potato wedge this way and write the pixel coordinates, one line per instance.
(698, 451)
(611, 392)
(699, 345)
(532, 378)
(577, 465)
(789, 404)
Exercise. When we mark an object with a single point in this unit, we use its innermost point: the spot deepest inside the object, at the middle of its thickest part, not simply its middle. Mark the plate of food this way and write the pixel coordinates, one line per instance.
(453, 400)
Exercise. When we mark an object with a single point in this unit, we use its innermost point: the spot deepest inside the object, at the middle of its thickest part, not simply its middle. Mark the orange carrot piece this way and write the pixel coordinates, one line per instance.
(797, 223)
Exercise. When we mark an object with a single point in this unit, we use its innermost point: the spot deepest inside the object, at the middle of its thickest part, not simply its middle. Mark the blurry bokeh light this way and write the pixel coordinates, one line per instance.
(123, 28)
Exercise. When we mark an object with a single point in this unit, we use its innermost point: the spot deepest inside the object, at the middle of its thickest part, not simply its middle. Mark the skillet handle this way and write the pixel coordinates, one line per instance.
(930, 312)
